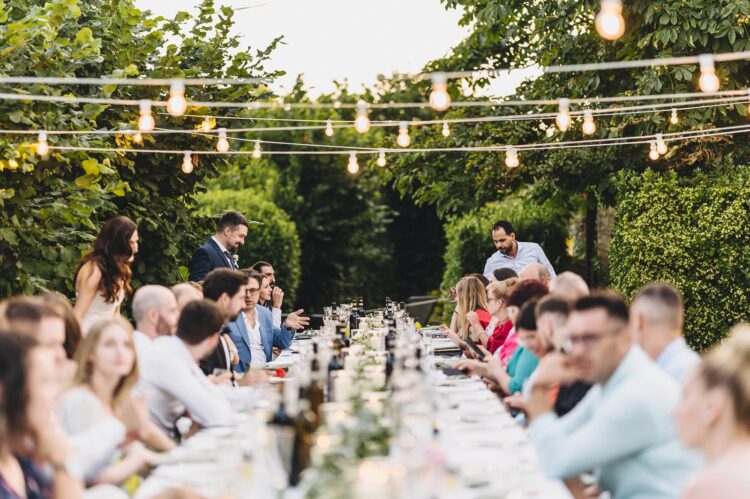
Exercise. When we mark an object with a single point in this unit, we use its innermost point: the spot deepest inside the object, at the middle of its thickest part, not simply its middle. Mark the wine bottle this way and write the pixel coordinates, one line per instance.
(305, 424)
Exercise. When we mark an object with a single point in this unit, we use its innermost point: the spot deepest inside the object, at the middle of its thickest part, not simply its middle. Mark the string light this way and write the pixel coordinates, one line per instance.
(222, 145)
(138, 138)
(589, 127)
(511, 157)
(353, 166)
(446, 130)
(206, 126)
(609, 21)
(674, 119)
(146, 121)
(42, 148)
(362, 121)
(708, 81)
(661, 146)
(440, 99)
(12, 163)
(187, 163)
(256, 150)
(403, 139)
(653, 154)
(177, 104)
(329, 128)
(381, 158)
(563, 115)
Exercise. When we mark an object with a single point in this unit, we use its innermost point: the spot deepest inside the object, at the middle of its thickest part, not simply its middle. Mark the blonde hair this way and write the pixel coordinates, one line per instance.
(88, 345)
(727, 366)
(499, 290)
(470, 295)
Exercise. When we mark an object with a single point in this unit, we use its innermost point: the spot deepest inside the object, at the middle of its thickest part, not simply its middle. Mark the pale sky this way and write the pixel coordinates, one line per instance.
(329, 40)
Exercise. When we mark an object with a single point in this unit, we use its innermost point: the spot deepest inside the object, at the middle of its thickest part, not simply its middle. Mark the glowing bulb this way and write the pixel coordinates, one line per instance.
(563, 115)
(187, 163)
(146, 121)
(446, 131)
(206, 126)
(256, 150)
(708, 82)
(674, 119)
(287, 107)
(138, 138)
(661, 146)
(353, 166)
(511, 157)
(12, 163)
(381, 158)
(589, 127)
(329, 128)
(177, 104)
(222, 145)
(653, 154)
(440, 99)
(42, 148)
(362, 121)
(403, 139)
(609, 21)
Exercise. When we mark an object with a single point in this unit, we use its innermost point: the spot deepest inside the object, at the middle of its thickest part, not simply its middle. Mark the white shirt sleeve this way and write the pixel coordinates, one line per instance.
(276, 316)
(545, 261)
(79, 410)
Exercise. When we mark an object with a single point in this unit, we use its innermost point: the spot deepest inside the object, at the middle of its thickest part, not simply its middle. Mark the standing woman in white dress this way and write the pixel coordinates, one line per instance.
(103, 276)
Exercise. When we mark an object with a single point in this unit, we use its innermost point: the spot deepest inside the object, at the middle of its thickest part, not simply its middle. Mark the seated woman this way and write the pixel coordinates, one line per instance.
(471, 296)
(107, 370)
(496, 332)
(521, 293)
(714, 418)
(511, 379)
(30, 438)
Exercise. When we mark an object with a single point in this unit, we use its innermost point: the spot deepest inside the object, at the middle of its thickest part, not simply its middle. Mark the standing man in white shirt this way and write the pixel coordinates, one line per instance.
(513, 254)
(656, 319)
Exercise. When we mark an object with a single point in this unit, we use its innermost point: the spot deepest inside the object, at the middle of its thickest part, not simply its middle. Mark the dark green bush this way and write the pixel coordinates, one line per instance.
(691, 232)
(275, 241)
(470, 240)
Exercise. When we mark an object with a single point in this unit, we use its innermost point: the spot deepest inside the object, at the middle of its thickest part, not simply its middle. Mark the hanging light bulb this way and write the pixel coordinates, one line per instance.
(708, 81)
(329, 128)
(177, 104)
(138, 138)
(206, 126)
(653, 154)
(440, 99)
(362, 121)
(609, 21)
(187, 163)
(287, 107)
(661, 146)
(589, 127)
(563, 115)
(222, 145)
(256, 150)
(446, 131)
(511, 157)
(42, 148)
(146, 121)
(403, 139)
(674, 119)
(381, 158)
(353, 166)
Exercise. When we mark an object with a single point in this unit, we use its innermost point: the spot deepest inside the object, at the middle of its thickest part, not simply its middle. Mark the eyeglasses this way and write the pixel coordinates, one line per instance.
(589, 339)
(254, 291)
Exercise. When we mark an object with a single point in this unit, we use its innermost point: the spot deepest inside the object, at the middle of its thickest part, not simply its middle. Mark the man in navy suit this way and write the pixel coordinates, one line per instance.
(219, 251)
(253, 332)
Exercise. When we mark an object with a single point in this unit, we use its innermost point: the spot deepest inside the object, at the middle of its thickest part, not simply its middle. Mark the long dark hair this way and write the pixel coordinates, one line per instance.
(111, 253)
(15, 350)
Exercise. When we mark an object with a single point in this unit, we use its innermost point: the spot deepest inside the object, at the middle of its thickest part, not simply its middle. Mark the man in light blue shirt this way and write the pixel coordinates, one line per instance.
(623, 428)
(513, 254)
(656, 319)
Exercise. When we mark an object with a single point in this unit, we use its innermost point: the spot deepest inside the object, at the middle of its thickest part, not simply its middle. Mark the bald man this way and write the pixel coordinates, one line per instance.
(656, 319)
(536, 271)
(155, 312)
(570, 285)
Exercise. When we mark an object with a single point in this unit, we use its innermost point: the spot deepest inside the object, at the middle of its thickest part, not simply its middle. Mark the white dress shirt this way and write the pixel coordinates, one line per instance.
(276, 317)
(224, 252)
(257, 354)
(527, 254)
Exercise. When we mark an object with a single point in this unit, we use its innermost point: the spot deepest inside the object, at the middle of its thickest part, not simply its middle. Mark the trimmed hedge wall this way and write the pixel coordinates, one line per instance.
(692, 232)
(275, 241)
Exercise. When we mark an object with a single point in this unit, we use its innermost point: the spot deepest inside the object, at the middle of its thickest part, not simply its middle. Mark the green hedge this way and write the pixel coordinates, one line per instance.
(692, 232)
(275, 241)
(470, 240)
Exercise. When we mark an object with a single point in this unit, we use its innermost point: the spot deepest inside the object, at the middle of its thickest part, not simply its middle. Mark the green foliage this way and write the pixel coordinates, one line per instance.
(693, 233)
(275, 240)
(470, 240)
(52, 207)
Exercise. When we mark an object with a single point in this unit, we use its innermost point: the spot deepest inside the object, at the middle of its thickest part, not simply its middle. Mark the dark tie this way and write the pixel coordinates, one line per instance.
(231, 260)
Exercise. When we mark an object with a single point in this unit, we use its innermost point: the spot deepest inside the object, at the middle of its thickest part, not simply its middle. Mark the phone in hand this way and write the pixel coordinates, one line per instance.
(449, 371)
(474, 347)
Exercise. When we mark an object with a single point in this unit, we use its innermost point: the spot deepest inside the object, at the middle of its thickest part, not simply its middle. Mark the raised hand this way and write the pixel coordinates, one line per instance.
(296, 321)
(277, 297)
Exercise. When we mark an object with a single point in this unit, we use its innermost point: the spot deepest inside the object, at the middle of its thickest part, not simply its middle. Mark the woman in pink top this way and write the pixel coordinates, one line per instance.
(522, 292)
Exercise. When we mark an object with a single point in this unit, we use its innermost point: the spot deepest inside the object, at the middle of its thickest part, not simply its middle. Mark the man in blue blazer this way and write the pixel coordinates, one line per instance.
(219, 251)
(253, 332)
